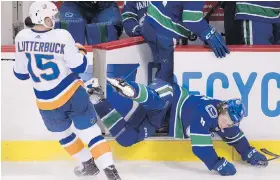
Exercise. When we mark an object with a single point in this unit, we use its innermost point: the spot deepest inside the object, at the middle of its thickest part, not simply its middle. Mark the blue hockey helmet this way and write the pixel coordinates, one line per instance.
(236, 109)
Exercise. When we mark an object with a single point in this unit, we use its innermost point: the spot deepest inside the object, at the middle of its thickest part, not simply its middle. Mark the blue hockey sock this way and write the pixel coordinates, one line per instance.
(147, 97)
(110, 117)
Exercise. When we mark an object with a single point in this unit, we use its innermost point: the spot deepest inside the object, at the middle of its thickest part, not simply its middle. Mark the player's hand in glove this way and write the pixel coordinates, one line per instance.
(94, 90)
(81, 48)
(255, 158)
(224, 168)
(216, 42)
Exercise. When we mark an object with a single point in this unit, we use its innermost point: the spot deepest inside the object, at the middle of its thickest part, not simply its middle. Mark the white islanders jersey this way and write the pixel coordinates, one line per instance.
(52, 61)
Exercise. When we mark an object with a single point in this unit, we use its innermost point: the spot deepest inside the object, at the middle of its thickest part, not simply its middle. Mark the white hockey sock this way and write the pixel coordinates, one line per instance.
(73, 145)
(98, 146)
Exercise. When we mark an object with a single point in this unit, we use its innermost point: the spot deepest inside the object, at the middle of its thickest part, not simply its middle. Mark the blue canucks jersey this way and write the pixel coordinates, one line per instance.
(196, 117)
(177, 18)
(133, 16)
(261, 11)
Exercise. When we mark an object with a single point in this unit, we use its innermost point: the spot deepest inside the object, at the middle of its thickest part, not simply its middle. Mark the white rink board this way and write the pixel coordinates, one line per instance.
(20, 114)
(258, 125)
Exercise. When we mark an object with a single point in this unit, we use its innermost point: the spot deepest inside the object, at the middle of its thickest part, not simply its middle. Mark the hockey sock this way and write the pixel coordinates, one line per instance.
(74, 146)
(98, 146)
(110, 117)
(147, 97)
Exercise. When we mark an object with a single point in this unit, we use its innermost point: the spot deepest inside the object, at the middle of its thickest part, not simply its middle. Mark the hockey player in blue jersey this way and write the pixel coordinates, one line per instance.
(258, 18)
(169, 21)
(194, 117)
(93, 21)
(133, 16)
(52, 60)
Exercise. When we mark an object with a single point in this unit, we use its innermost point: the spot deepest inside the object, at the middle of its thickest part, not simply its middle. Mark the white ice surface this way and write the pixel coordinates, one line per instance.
(140, 170)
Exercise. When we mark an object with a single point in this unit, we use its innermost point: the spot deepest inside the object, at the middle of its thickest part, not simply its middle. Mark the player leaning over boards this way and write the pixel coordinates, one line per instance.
(169, 21)
(53, 61)
(194, 117)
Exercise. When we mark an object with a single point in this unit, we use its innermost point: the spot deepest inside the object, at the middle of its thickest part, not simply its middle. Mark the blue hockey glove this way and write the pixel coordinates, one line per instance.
(224, 167)
(216, 42)
(255, 158)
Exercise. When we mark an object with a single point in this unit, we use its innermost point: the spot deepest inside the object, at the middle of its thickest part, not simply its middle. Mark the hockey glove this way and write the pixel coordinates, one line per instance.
(255, 158)
(216, 42)
(81, 48)
(224, 168)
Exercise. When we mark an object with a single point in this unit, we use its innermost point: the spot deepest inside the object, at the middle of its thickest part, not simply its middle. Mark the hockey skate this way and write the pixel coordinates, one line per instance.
(87, 168)
(122, 87)
(112, 173)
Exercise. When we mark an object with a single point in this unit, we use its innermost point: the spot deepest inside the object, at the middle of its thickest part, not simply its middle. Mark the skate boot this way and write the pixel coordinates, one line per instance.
(112, 173)
(87, 168)
(122, 87)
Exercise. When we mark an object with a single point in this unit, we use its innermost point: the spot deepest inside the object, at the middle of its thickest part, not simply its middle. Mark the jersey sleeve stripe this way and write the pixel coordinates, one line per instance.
(62, 100)
(192, 16)
(198, 140)
(236, 138)
(21, 76)
(202, 145)
(81, 68)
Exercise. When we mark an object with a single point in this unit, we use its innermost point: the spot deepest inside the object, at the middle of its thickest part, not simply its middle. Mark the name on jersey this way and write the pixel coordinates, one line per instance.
(141, 5)
(27, 46)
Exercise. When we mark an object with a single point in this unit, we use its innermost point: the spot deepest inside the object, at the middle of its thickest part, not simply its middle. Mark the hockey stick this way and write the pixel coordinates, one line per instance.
(275, 156)
(131, 72)
(212, 10)
(193, 37)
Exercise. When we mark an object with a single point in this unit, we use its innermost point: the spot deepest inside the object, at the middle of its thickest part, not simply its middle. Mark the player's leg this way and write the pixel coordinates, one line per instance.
(276, 33)
(106, 25)
(60, 125)
(162, 49)
(257, 33)
(110, 117)
(72, 20)
(149, 34)
(150, 97)
(135, 134)
(166, 47)
(138, 127)
(84, 118)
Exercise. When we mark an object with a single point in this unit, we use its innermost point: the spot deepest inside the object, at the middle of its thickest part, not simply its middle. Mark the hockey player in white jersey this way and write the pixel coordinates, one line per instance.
(53, 61)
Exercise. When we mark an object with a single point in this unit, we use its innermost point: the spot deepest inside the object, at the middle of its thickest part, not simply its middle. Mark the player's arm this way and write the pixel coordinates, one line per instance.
(194, 20)
(74, 55)
(130, 19)
(20, 66)
(202, 145)
(202, 141)
(235, 137)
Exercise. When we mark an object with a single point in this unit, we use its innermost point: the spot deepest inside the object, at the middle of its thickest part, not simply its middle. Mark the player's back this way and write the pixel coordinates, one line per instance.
(166, 17)
(52, 61)
(200, 111)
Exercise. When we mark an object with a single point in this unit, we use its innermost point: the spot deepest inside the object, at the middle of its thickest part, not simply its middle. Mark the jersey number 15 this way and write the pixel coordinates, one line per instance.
(39, 63)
